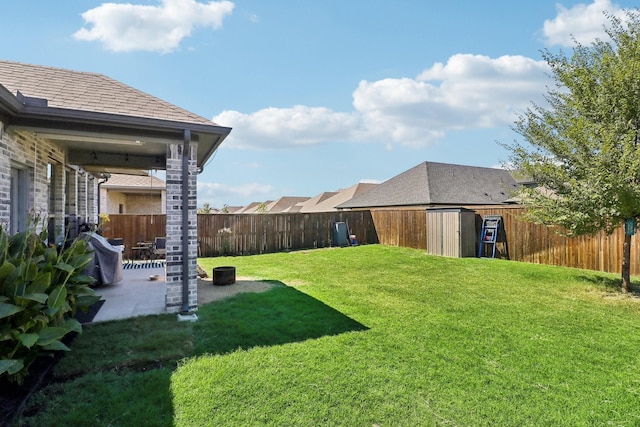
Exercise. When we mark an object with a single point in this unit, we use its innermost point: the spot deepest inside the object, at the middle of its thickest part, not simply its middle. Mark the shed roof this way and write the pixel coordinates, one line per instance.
(432, 183)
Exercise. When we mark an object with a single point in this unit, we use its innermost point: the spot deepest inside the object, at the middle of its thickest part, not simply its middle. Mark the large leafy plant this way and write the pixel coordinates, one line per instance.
(41, 289)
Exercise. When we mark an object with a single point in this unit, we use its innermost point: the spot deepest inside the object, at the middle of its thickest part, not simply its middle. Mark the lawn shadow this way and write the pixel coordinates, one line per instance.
(127, 400)
(279, 316)
(612, 284)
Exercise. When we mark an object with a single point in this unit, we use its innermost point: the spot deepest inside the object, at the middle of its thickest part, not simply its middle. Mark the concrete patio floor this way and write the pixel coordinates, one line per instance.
(135, 296)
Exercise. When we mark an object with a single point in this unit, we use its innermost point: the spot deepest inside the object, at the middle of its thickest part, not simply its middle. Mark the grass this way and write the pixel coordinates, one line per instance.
(366, 336)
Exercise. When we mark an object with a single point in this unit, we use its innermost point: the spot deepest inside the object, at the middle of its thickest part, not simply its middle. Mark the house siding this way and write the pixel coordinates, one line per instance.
(132, 203)
(72, 192)
(33, 154)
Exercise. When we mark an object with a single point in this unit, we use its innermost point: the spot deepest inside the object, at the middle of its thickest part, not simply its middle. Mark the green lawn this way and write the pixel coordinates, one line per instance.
(366, 336)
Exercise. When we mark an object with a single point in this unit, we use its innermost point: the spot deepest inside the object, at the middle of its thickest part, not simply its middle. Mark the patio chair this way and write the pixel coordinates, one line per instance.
(160, 247)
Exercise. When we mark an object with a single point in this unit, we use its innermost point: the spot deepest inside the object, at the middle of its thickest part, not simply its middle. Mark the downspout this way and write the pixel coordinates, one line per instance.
(106, 177)
(186, 148)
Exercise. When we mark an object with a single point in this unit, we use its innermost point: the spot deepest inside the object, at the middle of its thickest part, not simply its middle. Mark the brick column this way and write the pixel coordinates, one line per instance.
(58, 202)
(82, 196)
(92, 200)
(71, 192)
(174, 210)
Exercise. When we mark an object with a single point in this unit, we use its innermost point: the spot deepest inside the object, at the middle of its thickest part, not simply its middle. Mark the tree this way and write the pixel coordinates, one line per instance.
(205, 209)
(584, 147)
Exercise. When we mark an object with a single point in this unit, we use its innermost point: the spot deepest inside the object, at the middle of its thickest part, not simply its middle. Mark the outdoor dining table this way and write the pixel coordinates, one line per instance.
(142, 250)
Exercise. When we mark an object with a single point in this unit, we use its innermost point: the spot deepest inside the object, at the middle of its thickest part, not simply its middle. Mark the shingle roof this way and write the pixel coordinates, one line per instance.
(284, 204)
(310, 205)
(431, 183)
(329, 204)
(84, 91)
(253, 207)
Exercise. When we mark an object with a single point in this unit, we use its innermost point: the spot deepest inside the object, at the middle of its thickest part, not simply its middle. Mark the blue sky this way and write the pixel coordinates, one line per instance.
(321, 95)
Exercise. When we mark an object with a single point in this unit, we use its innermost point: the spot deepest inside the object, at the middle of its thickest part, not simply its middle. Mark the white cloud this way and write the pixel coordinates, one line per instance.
(285, 127)
(469, 91)
(583, 22)
(127, 27)
(216, 194)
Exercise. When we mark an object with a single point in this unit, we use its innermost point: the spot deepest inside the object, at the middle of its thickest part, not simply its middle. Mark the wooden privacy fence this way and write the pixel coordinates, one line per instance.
(245, 234)
(542, 245)
(526, 242)
(264, 233)
(134, 228)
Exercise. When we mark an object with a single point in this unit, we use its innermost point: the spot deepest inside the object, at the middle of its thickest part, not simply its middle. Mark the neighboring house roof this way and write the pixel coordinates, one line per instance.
(309, 205)
(285, 204)
(104, 124)
(431, 183)
(123, 182)
(253, 207)
(342, 196)
(230, 209)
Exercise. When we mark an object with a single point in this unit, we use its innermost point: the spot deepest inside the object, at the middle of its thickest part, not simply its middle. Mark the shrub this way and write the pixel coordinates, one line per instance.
(40, 291)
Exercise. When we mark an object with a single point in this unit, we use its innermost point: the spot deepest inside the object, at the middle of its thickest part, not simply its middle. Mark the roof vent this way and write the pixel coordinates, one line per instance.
(31, 101)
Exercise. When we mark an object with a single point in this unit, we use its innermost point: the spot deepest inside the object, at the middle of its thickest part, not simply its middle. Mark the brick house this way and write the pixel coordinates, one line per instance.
(61, 130)
(132, 194)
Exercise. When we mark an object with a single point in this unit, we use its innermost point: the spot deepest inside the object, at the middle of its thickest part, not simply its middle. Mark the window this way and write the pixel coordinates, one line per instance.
(18, 195)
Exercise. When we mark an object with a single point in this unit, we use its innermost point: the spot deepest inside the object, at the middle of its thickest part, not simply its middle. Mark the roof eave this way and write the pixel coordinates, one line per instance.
(9, 104)
(34, 118)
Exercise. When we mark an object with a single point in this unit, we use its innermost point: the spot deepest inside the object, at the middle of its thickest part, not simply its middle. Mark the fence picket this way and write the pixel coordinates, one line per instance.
(263, 233)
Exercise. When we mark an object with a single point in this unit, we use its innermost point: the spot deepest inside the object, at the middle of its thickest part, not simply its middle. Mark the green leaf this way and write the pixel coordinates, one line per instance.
(31, 271)
(11, 366)
(56, 346)
(81, 261)
(28, 340)
(72, 325)
(65, 267)
(51, 333)
(82, 279)
(57, 297)
(41, 298)
(6, 269)
(7, 310)
(40, 284)
(85, 301)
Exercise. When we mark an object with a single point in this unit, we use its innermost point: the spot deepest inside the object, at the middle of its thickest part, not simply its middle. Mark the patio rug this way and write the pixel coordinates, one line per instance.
(150, 263)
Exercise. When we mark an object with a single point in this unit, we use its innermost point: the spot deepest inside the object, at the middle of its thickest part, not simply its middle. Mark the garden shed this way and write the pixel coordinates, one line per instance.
(451, 232)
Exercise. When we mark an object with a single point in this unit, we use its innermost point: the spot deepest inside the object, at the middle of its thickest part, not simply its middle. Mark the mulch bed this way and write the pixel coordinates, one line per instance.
(13, 397)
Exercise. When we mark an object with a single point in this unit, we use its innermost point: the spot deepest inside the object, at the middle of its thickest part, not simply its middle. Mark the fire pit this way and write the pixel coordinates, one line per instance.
(224, 275)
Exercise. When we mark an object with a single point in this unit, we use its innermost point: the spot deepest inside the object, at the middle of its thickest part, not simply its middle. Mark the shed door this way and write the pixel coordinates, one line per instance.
(443, 233)
(451, 234)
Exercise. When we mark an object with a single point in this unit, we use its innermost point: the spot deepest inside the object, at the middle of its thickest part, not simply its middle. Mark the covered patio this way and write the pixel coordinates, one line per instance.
(66, 130)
